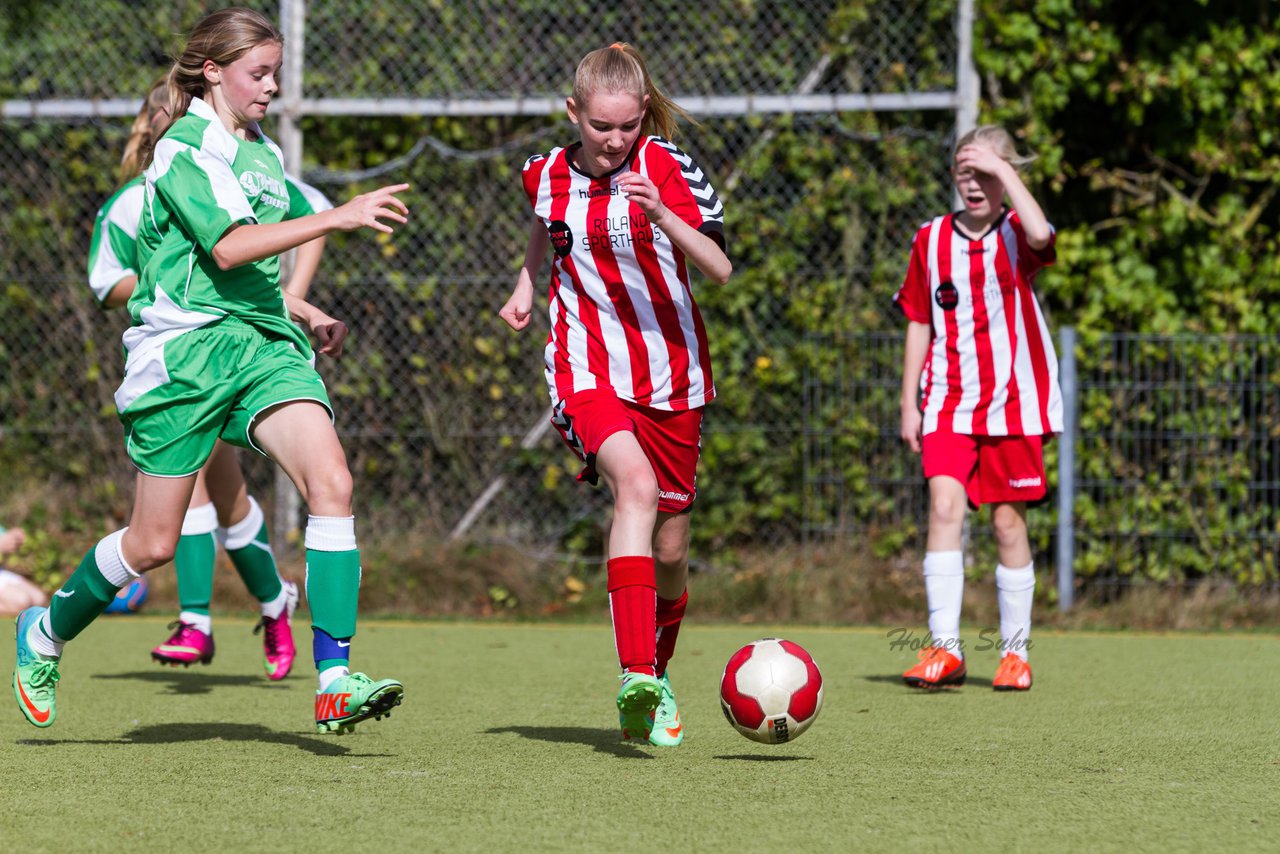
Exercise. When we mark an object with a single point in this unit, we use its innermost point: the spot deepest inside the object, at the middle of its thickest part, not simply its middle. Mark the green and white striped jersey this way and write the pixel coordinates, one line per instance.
(202, 181)
(112, 249)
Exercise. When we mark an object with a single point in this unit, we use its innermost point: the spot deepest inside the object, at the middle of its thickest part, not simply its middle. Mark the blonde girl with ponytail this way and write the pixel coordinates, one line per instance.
(625, 212)
(213, 354)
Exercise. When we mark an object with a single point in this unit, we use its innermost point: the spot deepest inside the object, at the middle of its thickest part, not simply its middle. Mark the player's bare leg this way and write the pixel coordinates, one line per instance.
(671, 561)
(300, 437)
(244, 534)
(941, 664)
(1015, 589)
(626, 470)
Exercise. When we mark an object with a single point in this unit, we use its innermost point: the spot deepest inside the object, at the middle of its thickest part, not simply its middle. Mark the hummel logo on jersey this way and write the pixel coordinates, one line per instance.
(673, 496)
(598, 192)
(1023, 482)
(64, 594)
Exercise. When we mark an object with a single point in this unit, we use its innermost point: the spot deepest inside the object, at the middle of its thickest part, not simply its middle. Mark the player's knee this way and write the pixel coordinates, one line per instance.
(637, 490)
(150, 553)
(1009, 526)
(671, 557)
(329, 488)
(946, 509)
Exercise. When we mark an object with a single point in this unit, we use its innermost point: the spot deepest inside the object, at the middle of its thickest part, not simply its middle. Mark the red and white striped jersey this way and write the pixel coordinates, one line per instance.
(991, 369)
(622, 311)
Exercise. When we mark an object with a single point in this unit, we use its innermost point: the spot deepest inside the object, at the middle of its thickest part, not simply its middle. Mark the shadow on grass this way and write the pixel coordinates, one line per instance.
(761, 757)
(194, 682)
(601, 740)
(897, 680)
(190, 733)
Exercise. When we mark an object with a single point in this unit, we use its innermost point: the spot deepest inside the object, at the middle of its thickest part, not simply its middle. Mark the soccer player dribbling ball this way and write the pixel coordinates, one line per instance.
(212, 354)
(978, 341)
(221, 509)
(627, 361)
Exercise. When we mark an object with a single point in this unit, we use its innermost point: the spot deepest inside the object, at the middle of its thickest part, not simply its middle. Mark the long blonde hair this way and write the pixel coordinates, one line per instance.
(223, 36)
(620, 68)
(998, 140)
(137, 150)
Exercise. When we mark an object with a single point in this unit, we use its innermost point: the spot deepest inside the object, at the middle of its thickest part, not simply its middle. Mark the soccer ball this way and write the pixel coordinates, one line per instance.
(130, 598)
(771, 691)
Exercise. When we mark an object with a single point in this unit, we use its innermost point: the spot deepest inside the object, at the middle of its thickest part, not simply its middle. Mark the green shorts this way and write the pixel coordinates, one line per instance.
(181, 396)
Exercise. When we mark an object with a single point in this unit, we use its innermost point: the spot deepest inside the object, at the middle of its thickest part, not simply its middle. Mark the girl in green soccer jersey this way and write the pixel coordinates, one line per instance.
(212, 354)
(221, 508)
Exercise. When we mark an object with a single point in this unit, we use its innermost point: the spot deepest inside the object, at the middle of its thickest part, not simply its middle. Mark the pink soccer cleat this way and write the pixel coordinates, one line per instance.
(186, 646)
(278, 650)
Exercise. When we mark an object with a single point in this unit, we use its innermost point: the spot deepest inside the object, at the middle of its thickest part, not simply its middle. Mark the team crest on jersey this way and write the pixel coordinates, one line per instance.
(270, 190)
(947, 296)
(561, 238)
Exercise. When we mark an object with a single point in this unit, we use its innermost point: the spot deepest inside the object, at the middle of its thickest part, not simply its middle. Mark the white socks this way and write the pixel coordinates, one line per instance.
(328, 675)
(944, 588)
(1015, 589)
(202, 622)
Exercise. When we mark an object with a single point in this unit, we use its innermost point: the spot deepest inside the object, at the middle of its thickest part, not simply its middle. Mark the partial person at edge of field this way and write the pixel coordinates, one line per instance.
(979, 395)
(17, 593)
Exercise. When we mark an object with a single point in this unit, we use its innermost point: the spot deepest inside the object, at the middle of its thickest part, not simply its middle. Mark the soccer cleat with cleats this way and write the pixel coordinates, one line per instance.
(937, 669)
(638, 698)
(1013, 674)
(35, 677)
(278, 651)
(350, 699)
(186, 646)
(665, 729)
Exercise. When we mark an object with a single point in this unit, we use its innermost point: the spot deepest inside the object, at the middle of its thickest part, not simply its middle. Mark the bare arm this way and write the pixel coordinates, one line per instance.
(119, 295)
(914, 353)
(328, 332)
(245, 244)
(519, 306)
(305, 263)
(1034, 224)
(704, 252)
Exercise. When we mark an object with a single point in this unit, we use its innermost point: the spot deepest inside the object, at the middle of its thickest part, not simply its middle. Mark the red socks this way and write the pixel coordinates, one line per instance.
(670, 613)
(632, 595)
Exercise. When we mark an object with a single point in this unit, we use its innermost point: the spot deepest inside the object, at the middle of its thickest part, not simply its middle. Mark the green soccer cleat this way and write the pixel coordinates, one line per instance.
(639, 695)
(34, 676)
(353, 698)
(665, 729)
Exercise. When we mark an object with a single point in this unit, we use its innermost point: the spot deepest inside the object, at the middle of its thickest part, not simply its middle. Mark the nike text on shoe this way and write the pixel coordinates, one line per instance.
(665, 729)
(35, 678)
(638, 697)
(354, 698)
(1013, 674)
(937, 669)
(186, 646)
(278, 651)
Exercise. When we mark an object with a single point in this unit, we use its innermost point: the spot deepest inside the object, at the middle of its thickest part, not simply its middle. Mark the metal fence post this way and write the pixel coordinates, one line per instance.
(1067, 469)
(287, 506)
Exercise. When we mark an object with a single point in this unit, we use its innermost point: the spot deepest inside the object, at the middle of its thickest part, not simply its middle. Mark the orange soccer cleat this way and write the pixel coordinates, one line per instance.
(937, 669)
(1013, 674)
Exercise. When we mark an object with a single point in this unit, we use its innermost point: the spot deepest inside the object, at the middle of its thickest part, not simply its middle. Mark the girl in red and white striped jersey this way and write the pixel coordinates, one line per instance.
(978, 342)
(627, 365)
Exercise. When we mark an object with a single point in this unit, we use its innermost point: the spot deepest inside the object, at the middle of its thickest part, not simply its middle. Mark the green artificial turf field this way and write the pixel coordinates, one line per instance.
(507, 741)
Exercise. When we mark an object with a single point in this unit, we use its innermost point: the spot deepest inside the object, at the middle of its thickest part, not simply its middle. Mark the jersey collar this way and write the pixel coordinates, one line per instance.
(574, 148)
(999, 221)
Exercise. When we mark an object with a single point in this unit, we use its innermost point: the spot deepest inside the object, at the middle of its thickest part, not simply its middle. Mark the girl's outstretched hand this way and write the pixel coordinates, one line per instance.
(367, 210)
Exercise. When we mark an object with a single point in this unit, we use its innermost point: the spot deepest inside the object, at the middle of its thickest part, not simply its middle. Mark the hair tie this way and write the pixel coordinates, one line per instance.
(618, 46)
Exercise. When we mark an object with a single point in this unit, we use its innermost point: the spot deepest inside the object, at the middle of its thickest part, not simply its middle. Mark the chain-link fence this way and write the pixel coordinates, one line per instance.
(437, 401)
(1177, 459)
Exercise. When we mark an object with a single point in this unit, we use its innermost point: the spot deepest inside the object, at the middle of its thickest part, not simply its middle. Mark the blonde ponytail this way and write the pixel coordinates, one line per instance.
(620, 68)
(223, 36)
(137, 150)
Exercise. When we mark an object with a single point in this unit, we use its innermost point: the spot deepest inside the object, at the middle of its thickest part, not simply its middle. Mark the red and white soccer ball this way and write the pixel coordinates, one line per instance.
(771, 691)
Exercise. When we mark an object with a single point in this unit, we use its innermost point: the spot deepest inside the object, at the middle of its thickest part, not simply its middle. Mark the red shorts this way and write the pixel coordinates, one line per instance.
(993, 469)
(671, 440)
